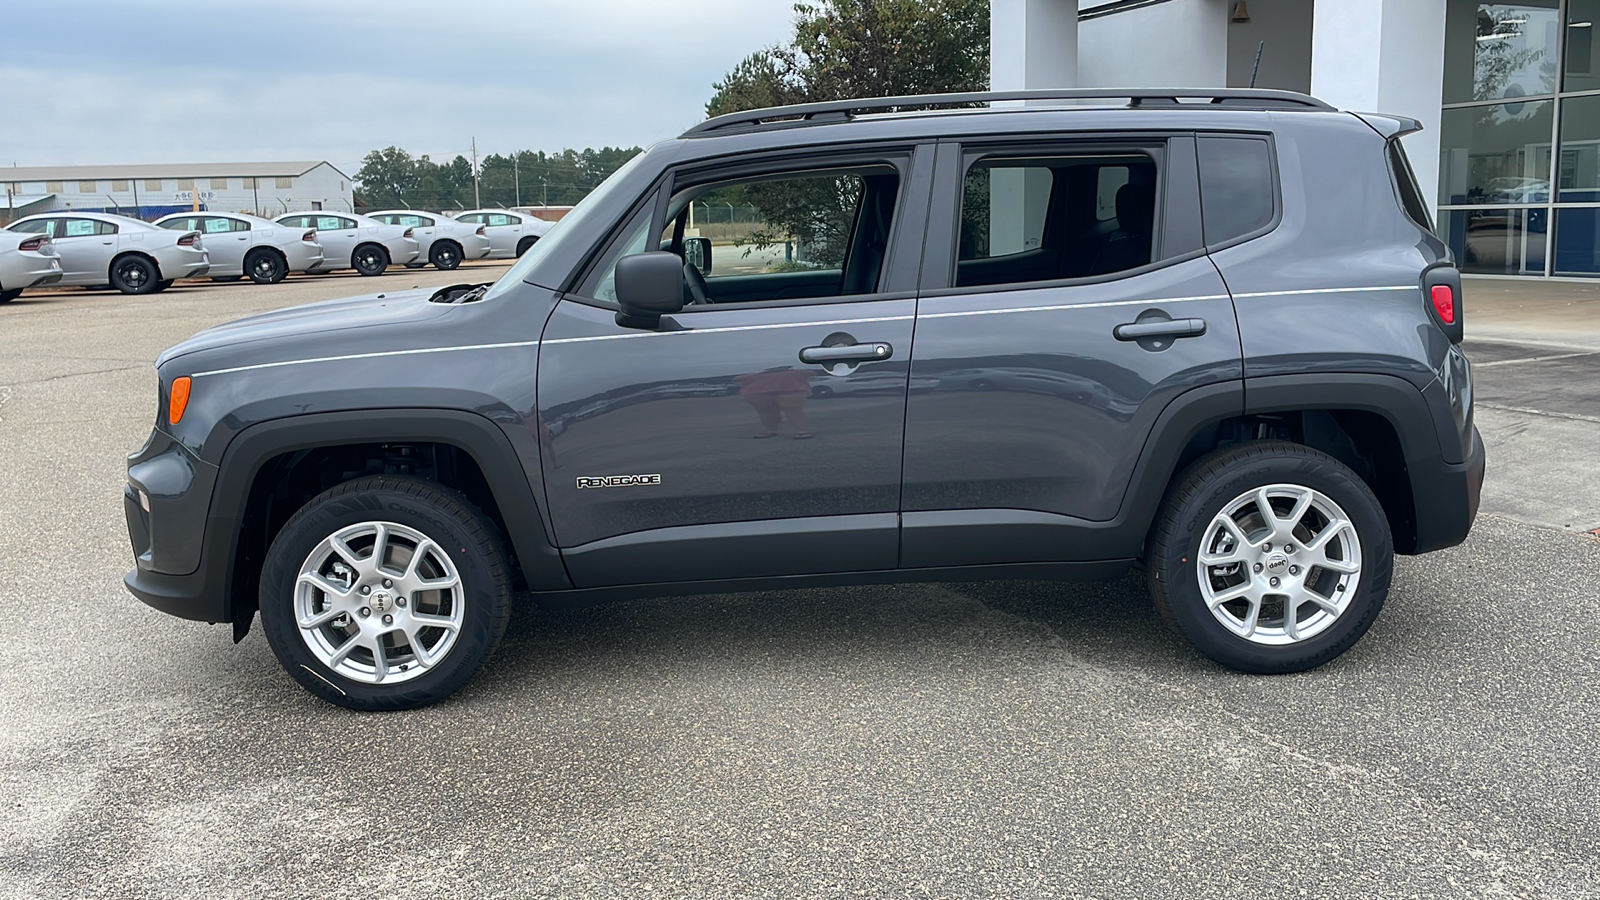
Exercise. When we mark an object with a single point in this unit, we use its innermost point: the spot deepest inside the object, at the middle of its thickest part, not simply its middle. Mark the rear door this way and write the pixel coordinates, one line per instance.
(1066, 300)
(86, 247)
(719, 445)
(338, 237)
(227, 240)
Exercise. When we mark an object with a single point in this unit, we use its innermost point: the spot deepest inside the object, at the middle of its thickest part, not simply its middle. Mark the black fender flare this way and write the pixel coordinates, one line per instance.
(474, 434)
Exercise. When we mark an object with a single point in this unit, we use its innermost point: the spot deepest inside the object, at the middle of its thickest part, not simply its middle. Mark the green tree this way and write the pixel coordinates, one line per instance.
(387, 177)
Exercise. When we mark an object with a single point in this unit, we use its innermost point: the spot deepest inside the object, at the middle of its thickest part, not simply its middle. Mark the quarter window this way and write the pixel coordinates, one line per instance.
(1236, 187)
(1036, 219)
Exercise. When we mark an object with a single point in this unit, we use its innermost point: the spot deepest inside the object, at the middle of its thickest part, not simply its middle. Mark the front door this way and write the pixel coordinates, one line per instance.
(1067, 300)
(759, 431)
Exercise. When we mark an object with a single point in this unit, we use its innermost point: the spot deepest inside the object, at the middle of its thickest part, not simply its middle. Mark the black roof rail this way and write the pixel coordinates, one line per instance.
(838, 110)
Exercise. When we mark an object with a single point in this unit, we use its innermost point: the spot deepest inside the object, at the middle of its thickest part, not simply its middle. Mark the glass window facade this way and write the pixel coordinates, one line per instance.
(1519, 154)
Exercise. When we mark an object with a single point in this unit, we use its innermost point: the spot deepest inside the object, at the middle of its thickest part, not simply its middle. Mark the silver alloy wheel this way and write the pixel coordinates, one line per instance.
(379, 602)
(1279, 564)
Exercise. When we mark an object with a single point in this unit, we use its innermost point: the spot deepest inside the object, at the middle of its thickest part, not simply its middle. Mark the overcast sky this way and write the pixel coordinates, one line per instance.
(111, 81)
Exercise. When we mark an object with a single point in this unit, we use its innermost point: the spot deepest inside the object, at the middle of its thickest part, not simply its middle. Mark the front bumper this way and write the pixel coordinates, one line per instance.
(166, 500)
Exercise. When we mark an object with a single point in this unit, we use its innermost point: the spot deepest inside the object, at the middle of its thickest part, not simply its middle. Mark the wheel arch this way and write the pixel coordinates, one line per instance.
(124, 254)
(267, 470)
(387, 256)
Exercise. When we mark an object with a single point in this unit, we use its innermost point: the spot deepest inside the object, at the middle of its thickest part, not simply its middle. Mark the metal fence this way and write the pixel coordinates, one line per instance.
(724, 223)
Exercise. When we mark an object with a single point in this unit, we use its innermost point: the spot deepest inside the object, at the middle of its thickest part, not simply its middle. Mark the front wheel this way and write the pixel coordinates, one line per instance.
(135, 275)
(385, 593)
(1271, 557)
(8, 296)
(524, 244)
(370, 259)
(445, 255)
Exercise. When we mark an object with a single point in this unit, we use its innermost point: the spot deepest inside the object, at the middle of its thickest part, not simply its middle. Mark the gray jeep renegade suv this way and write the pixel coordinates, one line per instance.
(1211, 333)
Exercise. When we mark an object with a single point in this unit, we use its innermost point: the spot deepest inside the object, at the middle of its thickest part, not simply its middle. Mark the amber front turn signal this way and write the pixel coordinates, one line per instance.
(179, 401)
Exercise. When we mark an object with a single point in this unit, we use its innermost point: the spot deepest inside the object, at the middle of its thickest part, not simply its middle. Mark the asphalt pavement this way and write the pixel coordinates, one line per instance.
(1018, 739)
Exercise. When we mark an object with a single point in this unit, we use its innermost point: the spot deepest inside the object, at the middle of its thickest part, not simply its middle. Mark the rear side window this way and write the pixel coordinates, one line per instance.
(1237, 192)
(1406, 183)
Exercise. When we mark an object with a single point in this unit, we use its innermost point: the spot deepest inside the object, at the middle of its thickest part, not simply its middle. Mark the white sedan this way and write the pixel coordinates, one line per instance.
(243, 245)
(132, 256)
(443, 241)
(510, 233)
(26, 260)
(354, 241)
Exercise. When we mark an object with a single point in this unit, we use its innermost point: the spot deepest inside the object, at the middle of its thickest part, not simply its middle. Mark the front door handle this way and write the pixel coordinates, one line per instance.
(846, 353)
(1159, 328)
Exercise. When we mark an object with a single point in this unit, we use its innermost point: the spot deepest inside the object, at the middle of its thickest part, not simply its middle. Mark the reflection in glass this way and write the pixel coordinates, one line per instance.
(1580, 150)
(1495, 154)
(1580, 72)
(1577, 241)
(1497, 241)
(1499, 50)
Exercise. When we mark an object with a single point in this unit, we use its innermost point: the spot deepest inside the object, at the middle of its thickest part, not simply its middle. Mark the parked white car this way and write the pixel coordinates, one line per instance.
(510, 233)
(444, 241)
(243, 245)
(26, 260)
(354, 241)
(132, 256)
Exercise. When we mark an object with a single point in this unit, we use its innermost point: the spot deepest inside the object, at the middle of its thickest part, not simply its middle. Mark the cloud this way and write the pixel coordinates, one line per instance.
(115, 82)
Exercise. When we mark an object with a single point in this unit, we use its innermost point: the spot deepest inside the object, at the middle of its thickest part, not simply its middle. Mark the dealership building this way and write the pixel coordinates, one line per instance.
(147, 191)
(1508, 94)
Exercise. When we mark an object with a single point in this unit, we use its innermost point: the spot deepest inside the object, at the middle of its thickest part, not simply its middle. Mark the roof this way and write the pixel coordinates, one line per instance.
(163, 170)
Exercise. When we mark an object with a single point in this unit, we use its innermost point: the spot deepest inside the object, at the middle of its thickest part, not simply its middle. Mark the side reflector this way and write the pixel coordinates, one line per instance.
(1444, 303)
(179, 401)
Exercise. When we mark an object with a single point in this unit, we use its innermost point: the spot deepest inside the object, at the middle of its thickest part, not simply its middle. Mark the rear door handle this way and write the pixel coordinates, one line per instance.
(1159, 328)
(846, 353)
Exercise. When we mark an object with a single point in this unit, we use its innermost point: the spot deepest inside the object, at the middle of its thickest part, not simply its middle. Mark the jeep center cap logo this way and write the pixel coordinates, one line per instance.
(1277, 565)
(381, 601)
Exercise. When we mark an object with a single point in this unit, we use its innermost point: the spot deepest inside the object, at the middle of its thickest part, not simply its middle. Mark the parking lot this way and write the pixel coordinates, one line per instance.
(994, 739)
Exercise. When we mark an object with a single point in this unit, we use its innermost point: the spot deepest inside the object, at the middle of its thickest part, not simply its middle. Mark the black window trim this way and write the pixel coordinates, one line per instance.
(731, 168)
(1277, 186)
(939, 281)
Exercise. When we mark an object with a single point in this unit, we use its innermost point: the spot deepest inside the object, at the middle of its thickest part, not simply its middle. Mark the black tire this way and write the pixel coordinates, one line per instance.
(524, 244)
(441, 515)
(370, 259)
(445, 255)
(8, 296)
(265, 266)
(135, 275)
(1211, 485)
(163, 285)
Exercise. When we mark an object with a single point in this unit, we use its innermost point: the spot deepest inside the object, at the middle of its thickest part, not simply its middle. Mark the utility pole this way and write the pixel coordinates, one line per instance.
(516, 178)
(477, 201)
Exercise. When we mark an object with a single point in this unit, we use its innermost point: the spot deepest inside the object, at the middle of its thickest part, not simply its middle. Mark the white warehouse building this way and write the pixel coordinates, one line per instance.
(150, 190)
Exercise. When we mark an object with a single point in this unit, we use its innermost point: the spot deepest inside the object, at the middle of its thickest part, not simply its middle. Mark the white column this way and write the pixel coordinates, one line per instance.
(1385, 56)
(1032, 44)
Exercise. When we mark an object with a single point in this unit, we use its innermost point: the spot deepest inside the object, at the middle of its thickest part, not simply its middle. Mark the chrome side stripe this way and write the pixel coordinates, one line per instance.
(373, 355)
(1349, 290)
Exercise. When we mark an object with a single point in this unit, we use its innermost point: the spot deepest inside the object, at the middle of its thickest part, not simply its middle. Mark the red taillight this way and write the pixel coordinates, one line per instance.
(483, 230)
(309, 237)
(407, 234)
(34, 244)
(1444, 303)
(190, 239)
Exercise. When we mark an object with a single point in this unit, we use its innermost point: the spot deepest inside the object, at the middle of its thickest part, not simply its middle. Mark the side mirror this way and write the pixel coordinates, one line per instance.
(649, 285)
(697, 252)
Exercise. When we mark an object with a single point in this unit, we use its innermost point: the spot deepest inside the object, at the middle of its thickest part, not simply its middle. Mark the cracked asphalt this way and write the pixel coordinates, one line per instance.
(995, 739)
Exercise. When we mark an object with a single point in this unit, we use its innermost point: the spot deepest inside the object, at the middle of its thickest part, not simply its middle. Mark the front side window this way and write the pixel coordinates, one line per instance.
(51, 227)
(474, 218)
(184, 224)
(1037, 219)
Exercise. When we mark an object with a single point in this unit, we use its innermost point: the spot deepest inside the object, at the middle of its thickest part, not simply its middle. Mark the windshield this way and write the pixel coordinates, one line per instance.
(552, 242)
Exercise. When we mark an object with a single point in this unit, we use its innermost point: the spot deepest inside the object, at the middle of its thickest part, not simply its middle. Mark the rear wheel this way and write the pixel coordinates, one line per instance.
(163, 285)
(1271, 557)
(445, 255)
(265, 267)
(524, 244)
(8, 296)
(385, 593)
(135, 275)
(370, 259)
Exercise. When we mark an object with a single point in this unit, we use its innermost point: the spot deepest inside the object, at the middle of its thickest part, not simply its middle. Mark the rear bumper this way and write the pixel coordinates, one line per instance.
(1446, 498)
